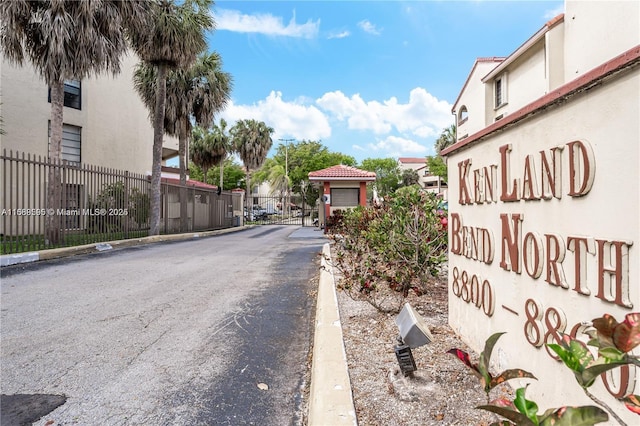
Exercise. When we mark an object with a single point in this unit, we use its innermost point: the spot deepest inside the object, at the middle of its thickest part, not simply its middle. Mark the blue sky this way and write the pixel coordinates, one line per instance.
(371, 79)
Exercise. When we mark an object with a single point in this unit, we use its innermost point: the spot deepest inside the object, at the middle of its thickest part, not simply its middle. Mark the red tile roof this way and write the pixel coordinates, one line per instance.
(341, 172)
(412, 160)
(190, 183)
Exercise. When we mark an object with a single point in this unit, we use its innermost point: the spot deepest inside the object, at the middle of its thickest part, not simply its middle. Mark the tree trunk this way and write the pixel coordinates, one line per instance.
(222, 175)
(205, 170)
(156, 167)
(182, 148)
(54, 187)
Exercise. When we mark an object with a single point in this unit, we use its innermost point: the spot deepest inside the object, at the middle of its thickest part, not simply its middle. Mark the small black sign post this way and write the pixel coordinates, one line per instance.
(405, 358)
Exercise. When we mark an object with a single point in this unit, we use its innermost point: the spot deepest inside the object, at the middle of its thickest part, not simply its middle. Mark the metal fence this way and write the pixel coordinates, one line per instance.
(92, 204)
(280, 210)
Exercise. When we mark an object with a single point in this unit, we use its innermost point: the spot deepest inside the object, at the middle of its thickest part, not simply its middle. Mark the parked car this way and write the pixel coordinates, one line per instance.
(269, 210)
(256, 213)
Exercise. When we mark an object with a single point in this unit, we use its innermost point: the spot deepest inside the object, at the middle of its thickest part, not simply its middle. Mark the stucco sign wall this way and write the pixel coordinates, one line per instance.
(544, 235)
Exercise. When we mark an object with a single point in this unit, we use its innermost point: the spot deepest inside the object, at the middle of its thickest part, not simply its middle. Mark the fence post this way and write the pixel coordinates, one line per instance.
(126, 203)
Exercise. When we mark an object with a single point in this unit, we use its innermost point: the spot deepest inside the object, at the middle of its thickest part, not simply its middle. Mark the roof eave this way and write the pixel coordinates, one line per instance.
(346, 179)
(627, 59)
(524, 47)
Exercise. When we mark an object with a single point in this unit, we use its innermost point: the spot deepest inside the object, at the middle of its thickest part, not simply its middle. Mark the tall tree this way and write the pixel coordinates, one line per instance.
(275, 172)
(172, 40)
(222, 146)
(201, 150)
(437, 167)
(210, 148)
(446, 138)
(436, 164)
(304, 157)
(409, 177)
(234, 175)
(252, 141)
(66, 40)
(388, 175)
(195, 93)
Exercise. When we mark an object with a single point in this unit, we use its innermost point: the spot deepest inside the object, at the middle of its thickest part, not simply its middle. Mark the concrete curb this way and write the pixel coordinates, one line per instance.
(14, 259)
(330, 400)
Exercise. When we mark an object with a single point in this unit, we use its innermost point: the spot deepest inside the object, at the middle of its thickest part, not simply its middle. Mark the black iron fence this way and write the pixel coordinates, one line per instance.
(280, 210)
(48, 203)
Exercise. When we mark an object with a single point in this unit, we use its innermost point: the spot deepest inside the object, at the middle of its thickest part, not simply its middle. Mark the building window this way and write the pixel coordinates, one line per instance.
(345, 197)
(463, 116)
(72, 98)
(71, 142)
(500, 90)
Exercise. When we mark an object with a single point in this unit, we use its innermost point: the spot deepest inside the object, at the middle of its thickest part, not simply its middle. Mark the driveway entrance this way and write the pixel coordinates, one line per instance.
(272, 210)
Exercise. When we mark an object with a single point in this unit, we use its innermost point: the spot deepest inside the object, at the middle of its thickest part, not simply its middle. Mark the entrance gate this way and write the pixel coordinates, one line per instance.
(272, 210)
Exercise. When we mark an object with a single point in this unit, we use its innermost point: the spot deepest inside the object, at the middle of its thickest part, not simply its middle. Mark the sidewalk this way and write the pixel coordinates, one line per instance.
(34, 256)
(330, 399)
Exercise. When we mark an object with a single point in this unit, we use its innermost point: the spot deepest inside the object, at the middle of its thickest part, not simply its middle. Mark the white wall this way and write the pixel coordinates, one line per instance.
(554, 57)
(594, 29)
(604, 119)
(526, 80)
(474, 99)
(25, 110)
(116, 131)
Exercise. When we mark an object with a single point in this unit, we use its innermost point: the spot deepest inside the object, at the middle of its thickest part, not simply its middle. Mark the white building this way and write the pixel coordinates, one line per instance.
(544, 197)
(427, 180)
(105, 122)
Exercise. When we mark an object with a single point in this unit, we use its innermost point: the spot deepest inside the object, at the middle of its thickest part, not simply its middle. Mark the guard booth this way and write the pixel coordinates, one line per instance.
(342, 187)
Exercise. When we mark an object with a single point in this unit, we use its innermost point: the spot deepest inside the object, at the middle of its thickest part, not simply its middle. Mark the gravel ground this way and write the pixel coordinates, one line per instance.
(443, 391)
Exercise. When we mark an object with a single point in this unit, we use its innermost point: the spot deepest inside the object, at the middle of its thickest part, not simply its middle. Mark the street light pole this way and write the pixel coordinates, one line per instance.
(286, 171)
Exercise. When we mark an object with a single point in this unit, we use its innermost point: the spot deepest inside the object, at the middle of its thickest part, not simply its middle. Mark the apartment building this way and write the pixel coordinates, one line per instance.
(566, 47)
(427, 180)
(105, 122)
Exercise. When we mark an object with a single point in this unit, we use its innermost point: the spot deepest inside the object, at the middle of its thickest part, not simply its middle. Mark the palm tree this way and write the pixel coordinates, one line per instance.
(280, 184)
(252, 141)
(446, 138)
(172, 40)
(66, 40)
(436, 164)
(222, 143)
(201, 150)
(195, 93)
(209, 148)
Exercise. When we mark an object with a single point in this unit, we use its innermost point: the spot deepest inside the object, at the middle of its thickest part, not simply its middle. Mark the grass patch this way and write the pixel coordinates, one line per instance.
(25, 243)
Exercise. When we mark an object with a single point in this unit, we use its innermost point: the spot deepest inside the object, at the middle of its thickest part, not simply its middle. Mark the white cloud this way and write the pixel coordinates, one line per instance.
(550, 14)
(233, 20)
(341, 34)
(395, 146)
(368, 27)
(423, 116)
(291, 119)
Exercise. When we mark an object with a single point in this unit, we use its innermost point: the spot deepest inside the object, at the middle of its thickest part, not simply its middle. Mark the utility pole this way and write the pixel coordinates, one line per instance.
(286, 172)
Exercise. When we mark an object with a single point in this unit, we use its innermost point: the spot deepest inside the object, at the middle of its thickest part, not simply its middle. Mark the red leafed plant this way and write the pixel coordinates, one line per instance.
(624, 336)
(481, 369)
(614, 342)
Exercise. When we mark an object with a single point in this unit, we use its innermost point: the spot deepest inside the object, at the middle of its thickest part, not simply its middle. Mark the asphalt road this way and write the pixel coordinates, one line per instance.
(207, 332)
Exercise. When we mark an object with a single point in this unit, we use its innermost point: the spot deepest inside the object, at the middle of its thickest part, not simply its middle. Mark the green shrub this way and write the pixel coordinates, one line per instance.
(398, 246)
